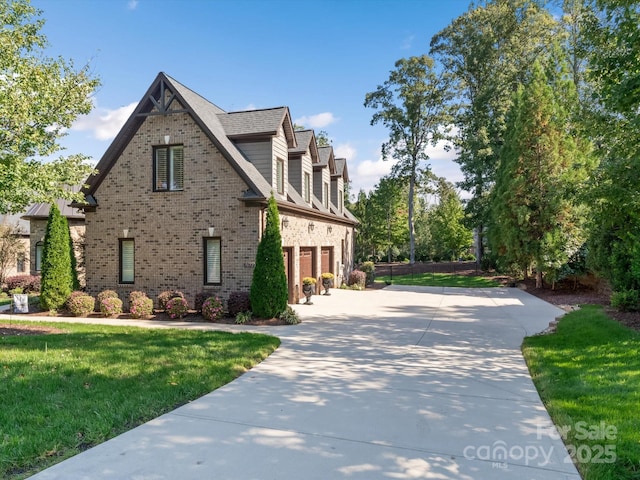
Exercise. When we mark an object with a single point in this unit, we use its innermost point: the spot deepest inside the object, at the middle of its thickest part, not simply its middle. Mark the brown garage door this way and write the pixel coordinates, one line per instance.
(306, 264)
(325, 259)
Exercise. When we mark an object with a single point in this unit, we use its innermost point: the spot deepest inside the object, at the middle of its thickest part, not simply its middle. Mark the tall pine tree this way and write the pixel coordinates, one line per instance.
(536, 220)
(57, 276)
(269, 291)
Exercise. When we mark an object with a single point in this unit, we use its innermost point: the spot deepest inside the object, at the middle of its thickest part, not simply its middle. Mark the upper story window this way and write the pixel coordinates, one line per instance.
(307, 187)
(280, 176)
(325, 194)
(168, 168)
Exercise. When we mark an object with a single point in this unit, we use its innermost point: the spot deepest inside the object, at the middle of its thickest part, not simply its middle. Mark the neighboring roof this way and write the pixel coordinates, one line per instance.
(341, 169)
(41, 211)
(252, 123)
(15, 220)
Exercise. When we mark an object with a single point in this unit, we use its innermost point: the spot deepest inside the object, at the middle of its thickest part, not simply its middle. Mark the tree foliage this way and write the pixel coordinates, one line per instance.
(269, 290)
(414, 103)
(40, 98)
(57, 276)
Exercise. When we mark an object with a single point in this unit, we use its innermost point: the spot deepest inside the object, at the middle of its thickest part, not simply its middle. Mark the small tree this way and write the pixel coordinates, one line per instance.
(11, 247)
(269, 292)
(57, 277)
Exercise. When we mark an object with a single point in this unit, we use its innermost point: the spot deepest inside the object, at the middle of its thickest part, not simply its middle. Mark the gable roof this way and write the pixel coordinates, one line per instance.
(341, 169)
(306, 140)
(326, 158)
(204, 113)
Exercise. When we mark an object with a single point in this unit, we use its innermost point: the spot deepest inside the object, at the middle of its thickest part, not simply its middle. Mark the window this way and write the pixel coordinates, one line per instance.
(307, 187)
(39, 247)
(212, 261)
(20, 263)
(168, 168)
(280, 176)
(325, 195)
(127, 264)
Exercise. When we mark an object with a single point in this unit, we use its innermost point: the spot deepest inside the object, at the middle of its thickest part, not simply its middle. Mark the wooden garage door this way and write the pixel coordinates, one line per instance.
(325, 259)
(306, 264)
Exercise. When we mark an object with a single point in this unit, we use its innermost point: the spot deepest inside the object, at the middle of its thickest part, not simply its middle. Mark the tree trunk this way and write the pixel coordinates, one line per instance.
(412, 240)
(538, 278)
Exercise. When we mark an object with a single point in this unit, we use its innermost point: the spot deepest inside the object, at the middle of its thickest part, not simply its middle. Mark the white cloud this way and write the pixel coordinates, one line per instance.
(103, 122)
(320, 120)
(345, 150)
(408, 42)
(132, 5)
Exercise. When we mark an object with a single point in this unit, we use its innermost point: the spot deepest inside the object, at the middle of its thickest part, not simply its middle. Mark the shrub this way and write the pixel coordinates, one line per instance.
(164, 297)
(110, 306)
(626, 300)
(269, 290)
(290, 316)
(140, 306)
(135, 295)
(80, 304)
(57, 275)
(200, 298)
(357, 278)
(106, 294)
(28, 283)
(238, 302)
(212, 309)
(369, 268)
(243, 317)
(177, 307)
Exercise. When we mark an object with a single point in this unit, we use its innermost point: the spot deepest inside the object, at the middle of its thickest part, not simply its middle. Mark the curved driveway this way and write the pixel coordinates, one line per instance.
(400, 383)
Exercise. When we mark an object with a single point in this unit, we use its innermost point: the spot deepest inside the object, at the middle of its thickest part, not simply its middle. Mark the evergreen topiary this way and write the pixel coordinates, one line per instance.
(269, 292)
(57, 277)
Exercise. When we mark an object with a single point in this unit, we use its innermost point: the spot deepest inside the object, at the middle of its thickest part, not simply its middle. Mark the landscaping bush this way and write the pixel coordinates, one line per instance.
(177, 307)
(626, 300)
(212, 309)
(357, 279)
(140, 306)
(243, 317)
(80, 304)
(369, 268)
(103, 296)
(28, 283)
(164, 297)
(111, 306)
(238, 302)
(290, 316)
(200, 298)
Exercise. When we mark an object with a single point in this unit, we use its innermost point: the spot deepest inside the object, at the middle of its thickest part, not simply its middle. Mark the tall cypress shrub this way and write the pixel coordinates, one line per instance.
(269, 292)
(57, 278)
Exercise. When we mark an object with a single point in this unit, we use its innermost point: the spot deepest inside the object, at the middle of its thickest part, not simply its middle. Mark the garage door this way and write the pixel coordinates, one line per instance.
(306, 264)
(325, 259)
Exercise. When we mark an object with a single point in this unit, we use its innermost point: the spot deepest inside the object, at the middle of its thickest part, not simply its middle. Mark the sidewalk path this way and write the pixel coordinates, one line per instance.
(400, 383)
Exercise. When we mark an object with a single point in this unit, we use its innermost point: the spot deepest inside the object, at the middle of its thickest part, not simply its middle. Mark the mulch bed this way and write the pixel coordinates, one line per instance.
(8, 329)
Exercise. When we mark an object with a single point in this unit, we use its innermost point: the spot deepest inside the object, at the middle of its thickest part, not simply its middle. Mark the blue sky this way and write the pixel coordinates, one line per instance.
(319, 58)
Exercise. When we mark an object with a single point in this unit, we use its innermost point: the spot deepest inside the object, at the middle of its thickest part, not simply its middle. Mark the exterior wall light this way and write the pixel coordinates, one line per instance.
(285, 222)
(311, 226)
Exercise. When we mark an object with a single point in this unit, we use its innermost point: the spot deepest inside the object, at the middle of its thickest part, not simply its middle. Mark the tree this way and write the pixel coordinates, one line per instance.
(57, 276)
(536, 219)
(489, 50)
(449, 235)
(11, 246)
(269, 290)
(414, 104)
(40, 98)
(613, 38)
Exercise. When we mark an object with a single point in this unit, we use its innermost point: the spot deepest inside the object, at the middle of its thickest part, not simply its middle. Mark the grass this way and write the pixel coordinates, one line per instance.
(589, 371)
(440, 280)
(64, 393)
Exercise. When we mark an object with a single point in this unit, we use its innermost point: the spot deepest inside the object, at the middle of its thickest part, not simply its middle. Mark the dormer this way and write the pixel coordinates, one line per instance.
(339, 180)
(322, 175)
(301, 160)
(264, 137)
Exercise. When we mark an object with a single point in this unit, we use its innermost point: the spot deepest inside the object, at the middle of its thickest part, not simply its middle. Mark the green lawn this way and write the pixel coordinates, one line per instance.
(439, 280)
(589, 372)
(63, 393)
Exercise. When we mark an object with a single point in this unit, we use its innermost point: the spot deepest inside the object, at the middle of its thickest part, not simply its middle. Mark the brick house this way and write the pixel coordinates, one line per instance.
(179, 200)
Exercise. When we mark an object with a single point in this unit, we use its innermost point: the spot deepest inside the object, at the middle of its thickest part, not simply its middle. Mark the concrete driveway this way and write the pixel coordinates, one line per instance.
(400, 383)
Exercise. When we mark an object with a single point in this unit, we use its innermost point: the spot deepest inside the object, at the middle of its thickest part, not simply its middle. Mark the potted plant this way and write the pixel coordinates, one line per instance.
(308, 286)
(327, 281)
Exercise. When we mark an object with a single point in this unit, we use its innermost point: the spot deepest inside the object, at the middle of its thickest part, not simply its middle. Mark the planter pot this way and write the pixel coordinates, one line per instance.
(326, 283)
(308, 292)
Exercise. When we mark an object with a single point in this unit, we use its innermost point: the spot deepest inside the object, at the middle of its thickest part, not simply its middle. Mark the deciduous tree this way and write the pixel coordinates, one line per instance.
(40, 98)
